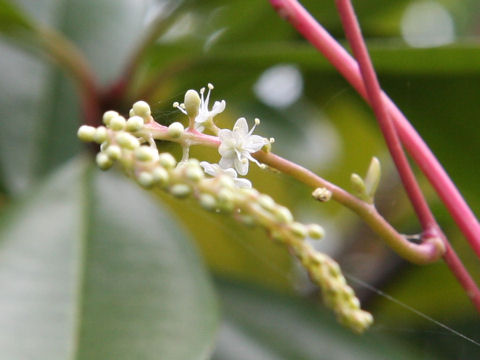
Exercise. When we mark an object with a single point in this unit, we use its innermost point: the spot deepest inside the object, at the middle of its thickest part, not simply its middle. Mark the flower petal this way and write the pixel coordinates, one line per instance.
(210, 169)
(242, 183)
(218, 107)
(241, 165)
(254, 143)
(241, 127)
(226, 162)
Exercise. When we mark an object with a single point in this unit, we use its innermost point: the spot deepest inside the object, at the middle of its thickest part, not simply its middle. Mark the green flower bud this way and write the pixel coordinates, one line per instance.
(127, 140)
(315, 231)
(192, 103)
(194, 172)
(175, 130)
(86, 133)
(100, 134)
(109, 115)
(266, 202)
(207, 201)
(226, 200)
(226, 182)
(167, 160)
(103, 161)
(146, 153)
(160, 175)
(283, 214)
(135, 123)
(299, 230)
(142, 109)
(180, 190)
(131, 113)
(145, 179)
(114, 152)
(117, 123)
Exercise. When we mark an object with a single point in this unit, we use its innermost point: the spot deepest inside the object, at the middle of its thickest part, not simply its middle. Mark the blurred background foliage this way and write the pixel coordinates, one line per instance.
(90, 266)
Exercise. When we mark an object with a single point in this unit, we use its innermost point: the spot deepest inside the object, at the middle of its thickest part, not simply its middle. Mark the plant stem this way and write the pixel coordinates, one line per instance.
(416, 147)
(355, 38)
(429, 251)
(429, 224)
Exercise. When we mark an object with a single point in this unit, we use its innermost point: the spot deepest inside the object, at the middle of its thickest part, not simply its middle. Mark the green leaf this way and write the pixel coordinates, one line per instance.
(265, 325)
(12, 21)
(91, 268)
(39, 106)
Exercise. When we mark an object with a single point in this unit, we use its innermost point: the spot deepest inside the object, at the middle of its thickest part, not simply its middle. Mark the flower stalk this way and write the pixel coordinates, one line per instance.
(223, 192)
(348, 67)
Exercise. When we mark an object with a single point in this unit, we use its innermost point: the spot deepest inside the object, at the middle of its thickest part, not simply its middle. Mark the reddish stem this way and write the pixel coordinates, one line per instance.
(416, 147)
(355, 38)
(374, 92)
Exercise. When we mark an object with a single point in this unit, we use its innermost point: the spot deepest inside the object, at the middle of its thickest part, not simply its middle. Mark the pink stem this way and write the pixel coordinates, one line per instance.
(374, 92)
(354, 35)
(347, 66)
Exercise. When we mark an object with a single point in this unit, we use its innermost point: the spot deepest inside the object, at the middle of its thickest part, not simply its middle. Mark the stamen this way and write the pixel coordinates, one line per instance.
(180, 107)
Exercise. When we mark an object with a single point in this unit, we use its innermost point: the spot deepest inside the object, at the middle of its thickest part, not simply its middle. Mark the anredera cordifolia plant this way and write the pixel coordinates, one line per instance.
(217, 187)
(132, 143)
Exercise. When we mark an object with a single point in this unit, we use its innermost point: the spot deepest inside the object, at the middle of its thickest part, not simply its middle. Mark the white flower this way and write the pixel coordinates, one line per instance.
(237, 145)
(202, 113)
(215, 170)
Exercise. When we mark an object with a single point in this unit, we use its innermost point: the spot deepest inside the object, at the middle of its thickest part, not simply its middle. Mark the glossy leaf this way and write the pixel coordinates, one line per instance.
(39, 106)
(90, 268)
(266, 325)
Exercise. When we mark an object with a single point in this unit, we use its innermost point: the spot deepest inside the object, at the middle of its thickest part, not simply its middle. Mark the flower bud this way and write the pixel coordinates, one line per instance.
(109, 115)
(315, 231)
(86, 133)
(145, 179)
(117, 123)
(146, 153)
(266, 202)
(100, 134)
(142, 109)
(192, 103)
(180, 190)
(134, 123)
(103, 161)
(175, 130)
(160, 175)
(283, 214)
(127, 140)
(194, 173)
(207, 201)
(167, 160)
(226, 200)
(299, 230)
(114, 152)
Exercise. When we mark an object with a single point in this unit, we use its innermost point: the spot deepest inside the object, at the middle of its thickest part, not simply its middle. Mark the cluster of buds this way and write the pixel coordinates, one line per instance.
(131, 143)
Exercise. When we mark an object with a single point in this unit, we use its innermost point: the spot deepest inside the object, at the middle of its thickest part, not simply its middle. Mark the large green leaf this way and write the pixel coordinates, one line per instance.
(90, 268)
(266, 325)
(39, 106)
